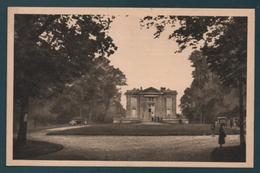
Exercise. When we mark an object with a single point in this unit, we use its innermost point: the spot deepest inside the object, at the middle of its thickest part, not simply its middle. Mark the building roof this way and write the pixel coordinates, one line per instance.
(150, 90)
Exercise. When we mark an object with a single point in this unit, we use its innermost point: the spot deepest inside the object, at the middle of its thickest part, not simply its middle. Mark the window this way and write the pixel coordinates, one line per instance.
(169, 103)
(133, 102)
(151, 99)
(168, 112)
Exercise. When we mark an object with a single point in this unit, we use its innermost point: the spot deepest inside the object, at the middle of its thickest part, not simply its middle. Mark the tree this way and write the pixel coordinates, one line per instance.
(223, 40)
(93, 92)
(206, 97)
(51, 51)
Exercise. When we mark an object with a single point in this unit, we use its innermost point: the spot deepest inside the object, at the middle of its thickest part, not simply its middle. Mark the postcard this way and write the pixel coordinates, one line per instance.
(130, 87)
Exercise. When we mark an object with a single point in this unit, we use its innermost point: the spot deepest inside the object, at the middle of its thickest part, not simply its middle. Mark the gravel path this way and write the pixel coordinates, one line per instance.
(135, 148)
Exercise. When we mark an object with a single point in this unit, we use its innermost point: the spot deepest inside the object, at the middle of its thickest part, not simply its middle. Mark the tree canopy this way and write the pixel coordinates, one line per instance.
(55, 51)
(98, 88)
(51, 50)
(207, 98)
(223, 40)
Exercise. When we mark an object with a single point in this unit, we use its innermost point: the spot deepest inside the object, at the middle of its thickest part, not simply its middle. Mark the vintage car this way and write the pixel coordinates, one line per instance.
(78, 121)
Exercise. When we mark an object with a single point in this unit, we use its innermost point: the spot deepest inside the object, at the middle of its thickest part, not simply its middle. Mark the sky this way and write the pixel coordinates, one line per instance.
(148, 62)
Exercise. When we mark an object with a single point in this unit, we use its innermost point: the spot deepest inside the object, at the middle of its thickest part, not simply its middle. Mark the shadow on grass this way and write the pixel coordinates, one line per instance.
(34, 148)
(229, 154)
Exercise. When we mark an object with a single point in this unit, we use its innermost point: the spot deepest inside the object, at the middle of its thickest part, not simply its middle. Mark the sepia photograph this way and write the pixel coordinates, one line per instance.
(130, 87)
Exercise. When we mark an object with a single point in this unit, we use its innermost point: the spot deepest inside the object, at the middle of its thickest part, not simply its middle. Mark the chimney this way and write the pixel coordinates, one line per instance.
(163, 88)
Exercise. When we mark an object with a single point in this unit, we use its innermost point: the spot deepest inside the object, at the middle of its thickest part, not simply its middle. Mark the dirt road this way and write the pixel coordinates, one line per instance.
(134, 148)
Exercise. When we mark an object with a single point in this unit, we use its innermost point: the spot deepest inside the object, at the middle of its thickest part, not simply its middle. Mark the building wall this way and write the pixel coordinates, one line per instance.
(138, 105)
(174, 107)
(141, 106)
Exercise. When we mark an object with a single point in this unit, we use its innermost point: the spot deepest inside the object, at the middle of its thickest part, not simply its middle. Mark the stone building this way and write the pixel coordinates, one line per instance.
(151, 104)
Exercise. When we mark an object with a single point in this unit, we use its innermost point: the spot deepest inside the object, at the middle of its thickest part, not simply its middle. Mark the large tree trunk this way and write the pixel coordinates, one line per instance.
(80, 111)
(201, 116)
(22, 133)
(242, 113)
(90, 113)
(35, 122)
(106, 109)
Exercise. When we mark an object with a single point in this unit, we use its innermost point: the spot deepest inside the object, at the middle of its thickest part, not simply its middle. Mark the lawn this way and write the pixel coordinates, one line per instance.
(142, 130)
(35, 148)
(229, 154)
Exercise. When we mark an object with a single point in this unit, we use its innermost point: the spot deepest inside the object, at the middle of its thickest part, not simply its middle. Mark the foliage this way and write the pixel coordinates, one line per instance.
(92, 94)
(217, 37)
(207, 97)
(46, 59)
(52, 51)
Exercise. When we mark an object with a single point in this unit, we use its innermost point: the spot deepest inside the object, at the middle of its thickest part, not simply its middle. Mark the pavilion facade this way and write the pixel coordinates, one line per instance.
(151, 104)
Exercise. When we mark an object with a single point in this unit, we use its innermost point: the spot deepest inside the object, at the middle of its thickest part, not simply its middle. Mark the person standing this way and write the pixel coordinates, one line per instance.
(222, 135)
(231, 123)
(213, 129)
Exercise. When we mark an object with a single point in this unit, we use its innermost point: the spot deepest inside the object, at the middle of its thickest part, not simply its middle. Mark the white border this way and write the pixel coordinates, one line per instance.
(250, 13)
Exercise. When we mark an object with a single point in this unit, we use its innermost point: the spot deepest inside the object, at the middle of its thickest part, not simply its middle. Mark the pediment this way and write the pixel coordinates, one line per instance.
(151, 90)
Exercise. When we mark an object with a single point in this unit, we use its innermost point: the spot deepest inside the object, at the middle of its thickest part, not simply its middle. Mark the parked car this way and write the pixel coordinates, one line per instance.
(78, 121)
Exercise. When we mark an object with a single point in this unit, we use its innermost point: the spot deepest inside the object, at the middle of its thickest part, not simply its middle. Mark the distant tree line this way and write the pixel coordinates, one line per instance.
(91, 96)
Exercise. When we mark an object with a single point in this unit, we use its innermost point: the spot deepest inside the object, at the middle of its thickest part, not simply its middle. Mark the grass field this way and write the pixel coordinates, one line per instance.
(229, 154)
(35, 148)
(143, 130)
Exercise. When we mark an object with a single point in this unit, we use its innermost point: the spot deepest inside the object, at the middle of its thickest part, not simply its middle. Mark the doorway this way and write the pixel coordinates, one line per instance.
(151, 111)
